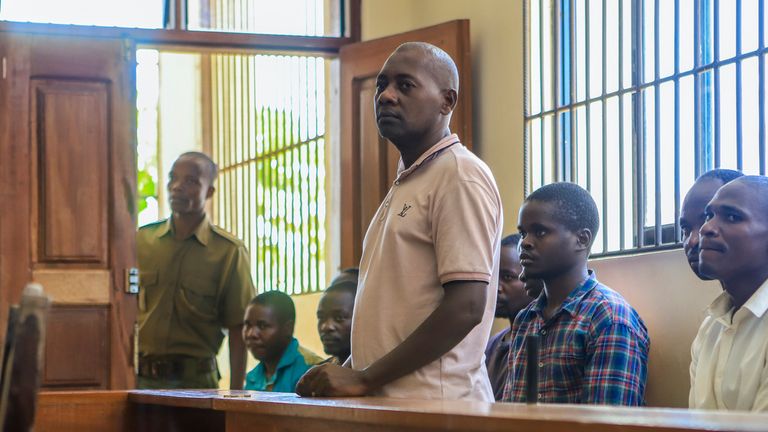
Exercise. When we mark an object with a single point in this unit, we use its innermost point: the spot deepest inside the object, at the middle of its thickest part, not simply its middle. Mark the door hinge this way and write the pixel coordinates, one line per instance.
(132, 280)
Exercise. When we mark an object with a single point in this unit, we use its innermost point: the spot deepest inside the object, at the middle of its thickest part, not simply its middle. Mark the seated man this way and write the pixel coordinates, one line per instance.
(268, 334)
(692, 212)
(513, 295)
(730, 352)
(593, 344)
(334, 318)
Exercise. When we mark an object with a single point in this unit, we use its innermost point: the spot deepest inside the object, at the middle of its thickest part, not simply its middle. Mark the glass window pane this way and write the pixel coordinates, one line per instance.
(547, 55)
(687, 136)
(666, 40)
(626, 29)
(649, 50)
(534, 62)
(113, 13)
(581, 146)
(581, 59)
(612, 45)
(666, 156)
(649, 137)
(629, 192)
(750, 113)
(611, 217)
(727, 124)
(686, 23)
(749, 25)
(727, 33)
(284, 17)
(534, 155)
(596, 165)
(595, 49)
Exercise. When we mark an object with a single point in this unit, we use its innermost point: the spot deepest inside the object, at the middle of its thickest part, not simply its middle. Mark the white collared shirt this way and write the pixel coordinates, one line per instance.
(729, 366)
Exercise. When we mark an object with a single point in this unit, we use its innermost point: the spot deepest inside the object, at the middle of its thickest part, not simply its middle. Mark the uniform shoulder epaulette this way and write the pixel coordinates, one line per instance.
(221, 232)
(153, 225)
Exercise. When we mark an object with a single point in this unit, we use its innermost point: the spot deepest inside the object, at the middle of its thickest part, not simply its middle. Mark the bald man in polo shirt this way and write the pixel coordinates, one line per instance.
(429, 269)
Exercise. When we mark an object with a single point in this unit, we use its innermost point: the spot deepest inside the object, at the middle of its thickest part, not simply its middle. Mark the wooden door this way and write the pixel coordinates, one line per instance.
(67, 187)
(369, 162)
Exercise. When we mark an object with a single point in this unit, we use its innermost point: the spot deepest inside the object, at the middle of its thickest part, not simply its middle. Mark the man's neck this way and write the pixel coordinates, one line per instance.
(185, 224)
(560, 287)
(270, 365)
(741, 288)
(411, 150)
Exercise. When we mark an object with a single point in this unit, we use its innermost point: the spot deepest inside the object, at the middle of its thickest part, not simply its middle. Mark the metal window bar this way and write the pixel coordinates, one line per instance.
(269, 149)
(707, 105)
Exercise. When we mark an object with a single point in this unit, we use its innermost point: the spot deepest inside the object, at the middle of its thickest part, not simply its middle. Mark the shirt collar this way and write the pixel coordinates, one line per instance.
(427, 156)
(287, 359)
(202, 233)
(721, 307)
(573, 299)
(289, 355)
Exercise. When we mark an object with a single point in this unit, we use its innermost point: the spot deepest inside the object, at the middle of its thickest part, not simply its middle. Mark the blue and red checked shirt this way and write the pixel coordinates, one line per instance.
(594, 350)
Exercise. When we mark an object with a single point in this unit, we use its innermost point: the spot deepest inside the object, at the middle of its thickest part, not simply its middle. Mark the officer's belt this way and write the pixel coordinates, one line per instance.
(174, 366)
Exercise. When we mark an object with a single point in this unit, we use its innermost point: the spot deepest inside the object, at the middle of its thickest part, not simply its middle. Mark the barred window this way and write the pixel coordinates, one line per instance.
(633, 99)
(268, 137)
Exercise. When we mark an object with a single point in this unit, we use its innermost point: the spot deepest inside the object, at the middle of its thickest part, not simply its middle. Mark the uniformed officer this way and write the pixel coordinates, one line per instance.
(195, 281)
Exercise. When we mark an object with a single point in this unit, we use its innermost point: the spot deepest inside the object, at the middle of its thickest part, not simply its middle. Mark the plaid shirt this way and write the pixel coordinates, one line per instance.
(594, 349)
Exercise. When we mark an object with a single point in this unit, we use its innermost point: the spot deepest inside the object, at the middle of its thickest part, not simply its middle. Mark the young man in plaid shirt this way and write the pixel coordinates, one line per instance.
(593, 344)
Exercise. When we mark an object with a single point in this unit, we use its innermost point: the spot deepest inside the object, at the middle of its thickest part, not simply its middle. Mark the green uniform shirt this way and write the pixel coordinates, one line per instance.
(190, 289)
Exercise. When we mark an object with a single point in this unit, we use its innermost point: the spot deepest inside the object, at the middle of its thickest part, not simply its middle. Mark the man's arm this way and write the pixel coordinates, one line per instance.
(459, 312)
(236, 358)
(615, 372)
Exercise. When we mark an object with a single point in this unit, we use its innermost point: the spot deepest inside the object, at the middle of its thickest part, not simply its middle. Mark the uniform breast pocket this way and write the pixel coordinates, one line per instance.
(198, 296)
(147, 284)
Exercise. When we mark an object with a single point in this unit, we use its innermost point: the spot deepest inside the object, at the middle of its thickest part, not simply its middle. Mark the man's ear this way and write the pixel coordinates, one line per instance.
(209, 193)
(450, 99)
(288, 327)
(584, 239)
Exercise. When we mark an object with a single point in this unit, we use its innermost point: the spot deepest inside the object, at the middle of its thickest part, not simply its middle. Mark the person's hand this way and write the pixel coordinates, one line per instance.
(332, 380)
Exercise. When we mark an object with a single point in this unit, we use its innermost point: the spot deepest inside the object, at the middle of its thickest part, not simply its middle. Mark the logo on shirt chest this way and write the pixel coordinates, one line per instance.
(405, 209)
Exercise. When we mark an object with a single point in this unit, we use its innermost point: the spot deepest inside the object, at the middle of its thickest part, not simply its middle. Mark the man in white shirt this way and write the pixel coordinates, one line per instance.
(729, 367)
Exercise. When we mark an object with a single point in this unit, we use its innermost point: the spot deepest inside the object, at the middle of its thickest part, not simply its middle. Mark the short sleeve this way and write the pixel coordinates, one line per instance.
(466, 226)
(238, 290)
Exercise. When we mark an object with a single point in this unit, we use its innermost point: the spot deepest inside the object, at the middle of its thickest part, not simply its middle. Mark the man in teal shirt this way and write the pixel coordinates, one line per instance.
(268, 334)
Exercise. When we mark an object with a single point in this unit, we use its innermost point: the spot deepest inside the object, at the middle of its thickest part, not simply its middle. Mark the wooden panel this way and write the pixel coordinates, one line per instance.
(77, 347)
(14, 176)
(66, 286)
(84, 411)
(260, 411)
(69, 134)
(360, 63)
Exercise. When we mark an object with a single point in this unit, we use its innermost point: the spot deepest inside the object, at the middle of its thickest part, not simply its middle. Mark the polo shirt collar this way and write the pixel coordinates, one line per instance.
(202, 233)
(574, 298)
(427, 156)
(757, 304)
(289, 355)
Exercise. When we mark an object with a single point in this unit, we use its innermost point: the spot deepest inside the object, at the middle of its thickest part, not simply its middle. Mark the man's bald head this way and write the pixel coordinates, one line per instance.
(441, 66)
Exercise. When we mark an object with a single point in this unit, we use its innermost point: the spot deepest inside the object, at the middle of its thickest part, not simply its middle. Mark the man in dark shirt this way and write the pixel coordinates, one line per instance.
(513, 295)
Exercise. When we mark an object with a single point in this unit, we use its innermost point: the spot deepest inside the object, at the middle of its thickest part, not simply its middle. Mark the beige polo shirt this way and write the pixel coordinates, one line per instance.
(440, 222)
